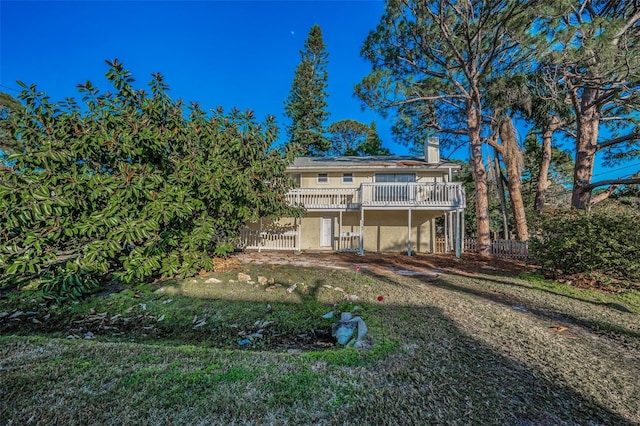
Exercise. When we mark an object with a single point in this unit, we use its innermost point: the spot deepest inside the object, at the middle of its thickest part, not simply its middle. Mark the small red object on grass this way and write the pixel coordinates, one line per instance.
(380, 298)
(357, 267)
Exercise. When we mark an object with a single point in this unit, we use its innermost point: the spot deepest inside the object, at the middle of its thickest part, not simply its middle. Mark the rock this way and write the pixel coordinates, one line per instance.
(16, 314)
(338, 289)
(353, 298)
(4, 315)
(291, 288)
(243, 277)
(213, 280)
(88, 335)
(262, 280)
(272, 288)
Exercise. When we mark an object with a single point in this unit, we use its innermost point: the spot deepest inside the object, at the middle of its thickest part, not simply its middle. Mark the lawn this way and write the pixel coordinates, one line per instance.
(462, 347)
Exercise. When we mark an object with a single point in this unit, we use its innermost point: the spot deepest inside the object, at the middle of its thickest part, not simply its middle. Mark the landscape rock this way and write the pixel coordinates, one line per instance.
(243, 277)
(291, 288)
(213, 280)
(262, 280)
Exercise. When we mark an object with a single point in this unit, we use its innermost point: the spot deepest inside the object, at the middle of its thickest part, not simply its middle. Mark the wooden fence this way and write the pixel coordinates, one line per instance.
(499, 248)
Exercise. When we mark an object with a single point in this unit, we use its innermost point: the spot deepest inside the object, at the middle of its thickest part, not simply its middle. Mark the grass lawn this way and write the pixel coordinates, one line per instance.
(463, 348)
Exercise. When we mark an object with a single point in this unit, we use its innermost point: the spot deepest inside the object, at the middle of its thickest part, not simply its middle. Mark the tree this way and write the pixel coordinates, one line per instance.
(350, 137)
(8, 105)
(347, 136)
(431, 62)
(131, 184)
(372, 145)
(558, 165)
(597, 59)
(306, 104)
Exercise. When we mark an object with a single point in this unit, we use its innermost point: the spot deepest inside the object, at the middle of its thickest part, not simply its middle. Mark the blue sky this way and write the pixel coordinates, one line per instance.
(228, 53)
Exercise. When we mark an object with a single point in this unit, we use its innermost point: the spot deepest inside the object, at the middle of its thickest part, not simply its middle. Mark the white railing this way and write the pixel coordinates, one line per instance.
(499, 248)
(349, 241)
(321, 198)
(409, 194)
(268, 240)
(431, 194)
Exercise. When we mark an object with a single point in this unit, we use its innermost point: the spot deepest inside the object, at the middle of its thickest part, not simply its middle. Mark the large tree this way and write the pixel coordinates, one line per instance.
(350, 137)
(431, 63)
(131, 184)
(596, 56)
(306, 104)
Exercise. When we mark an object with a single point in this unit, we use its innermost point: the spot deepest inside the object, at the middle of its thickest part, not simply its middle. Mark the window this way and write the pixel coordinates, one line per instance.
(347, 178)
(323, 178)
(393, 189)
(395, 177)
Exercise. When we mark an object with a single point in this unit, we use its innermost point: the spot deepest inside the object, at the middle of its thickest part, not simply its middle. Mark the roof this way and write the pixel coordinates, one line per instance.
(377, 162)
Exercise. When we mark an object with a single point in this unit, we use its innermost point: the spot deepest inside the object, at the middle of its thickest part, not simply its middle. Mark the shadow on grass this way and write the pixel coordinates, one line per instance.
(440, 375)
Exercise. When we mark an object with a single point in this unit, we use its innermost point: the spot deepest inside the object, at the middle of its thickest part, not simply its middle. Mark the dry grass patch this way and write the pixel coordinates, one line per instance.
(468, 347)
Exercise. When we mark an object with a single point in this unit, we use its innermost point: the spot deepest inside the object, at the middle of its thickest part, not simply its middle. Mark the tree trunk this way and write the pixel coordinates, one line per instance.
(501, 196)
(545, 164)
(480, 179)
(513, 162)
(588, 120)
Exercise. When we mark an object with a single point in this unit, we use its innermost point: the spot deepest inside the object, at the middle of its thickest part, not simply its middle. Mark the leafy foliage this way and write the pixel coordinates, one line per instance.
(350, 137)
(306, 104)
(8, 104)
(130, 183)
(602, 242)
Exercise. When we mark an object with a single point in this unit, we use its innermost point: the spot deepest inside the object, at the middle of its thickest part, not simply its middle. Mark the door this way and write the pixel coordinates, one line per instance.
(326, 232)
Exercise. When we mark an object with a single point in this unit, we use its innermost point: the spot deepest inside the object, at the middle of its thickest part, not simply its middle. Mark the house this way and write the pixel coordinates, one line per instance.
(376, 204)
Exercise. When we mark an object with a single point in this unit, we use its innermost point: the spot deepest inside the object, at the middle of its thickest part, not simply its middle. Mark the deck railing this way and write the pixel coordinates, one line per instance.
(406, 194)
(419, 194)
(321, 198)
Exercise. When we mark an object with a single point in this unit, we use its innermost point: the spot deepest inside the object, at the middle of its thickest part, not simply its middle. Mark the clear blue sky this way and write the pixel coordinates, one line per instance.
(228, 53)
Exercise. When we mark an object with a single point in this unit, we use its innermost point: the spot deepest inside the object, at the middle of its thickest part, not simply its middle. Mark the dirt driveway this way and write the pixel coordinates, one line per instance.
(428, 265)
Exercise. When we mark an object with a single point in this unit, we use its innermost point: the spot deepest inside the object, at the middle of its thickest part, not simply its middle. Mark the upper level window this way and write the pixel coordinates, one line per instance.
(323, 178)
(347, 178)
(395, 177)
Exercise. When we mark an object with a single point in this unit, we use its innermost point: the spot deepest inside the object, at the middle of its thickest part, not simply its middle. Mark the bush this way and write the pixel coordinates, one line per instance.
(601, 242)
(131, 184)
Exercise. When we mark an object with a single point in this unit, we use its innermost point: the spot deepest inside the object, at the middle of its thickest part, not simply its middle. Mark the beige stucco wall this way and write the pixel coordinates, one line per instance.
(310, 179)
(384, 231)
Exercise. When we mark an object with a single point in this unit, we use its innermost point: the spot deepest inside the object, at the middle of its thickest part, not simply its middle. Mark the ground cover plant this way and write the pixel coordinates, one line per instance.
(450, 344)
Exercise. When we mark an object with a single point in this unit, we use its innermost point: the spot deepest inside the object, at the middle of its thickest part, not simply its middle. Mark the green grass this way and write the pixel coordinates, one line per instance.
(479, 349)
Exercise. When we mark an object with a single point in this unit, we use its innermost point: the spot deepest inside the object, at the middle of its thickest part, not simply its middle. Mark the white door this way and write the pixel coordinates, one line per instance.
(326, 232)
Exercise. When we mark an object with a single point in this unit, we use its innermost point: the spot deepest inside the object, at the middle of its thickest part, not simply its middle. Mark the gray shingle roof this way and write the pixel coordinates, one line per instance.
(368, 163)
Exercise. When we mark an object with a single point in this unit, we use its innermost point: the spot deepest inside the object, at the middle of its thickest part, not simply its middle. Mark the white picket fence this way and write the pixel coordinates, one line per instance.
(500, 248)
(269, 240)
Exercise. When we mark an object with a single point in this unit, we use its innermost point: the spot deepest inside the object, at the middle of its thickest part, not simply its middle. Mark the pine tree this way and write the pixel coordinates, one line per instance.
(306, 104)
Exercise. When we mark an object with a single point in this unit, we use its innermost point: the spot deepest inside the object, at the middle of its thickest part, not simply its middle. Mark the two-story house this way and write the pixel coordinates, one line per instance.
(376, 204)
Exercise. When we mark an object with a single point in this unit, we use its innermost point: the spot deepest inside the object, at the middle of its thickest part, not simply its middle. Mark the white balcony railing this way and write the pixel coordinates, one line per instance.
(444, 195)
(329, 198)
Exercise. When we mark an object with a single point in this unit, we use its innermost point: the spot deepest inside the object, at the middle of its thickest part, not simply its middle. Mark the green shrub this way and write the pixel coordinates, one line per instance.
(68, 283)
(600, 242)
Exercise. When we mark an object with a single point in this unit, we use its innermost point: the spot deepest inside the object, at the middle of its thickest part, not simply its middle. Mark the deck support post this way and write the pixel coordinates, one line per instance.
(361, 232)
(409, 233)
(458, 233)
